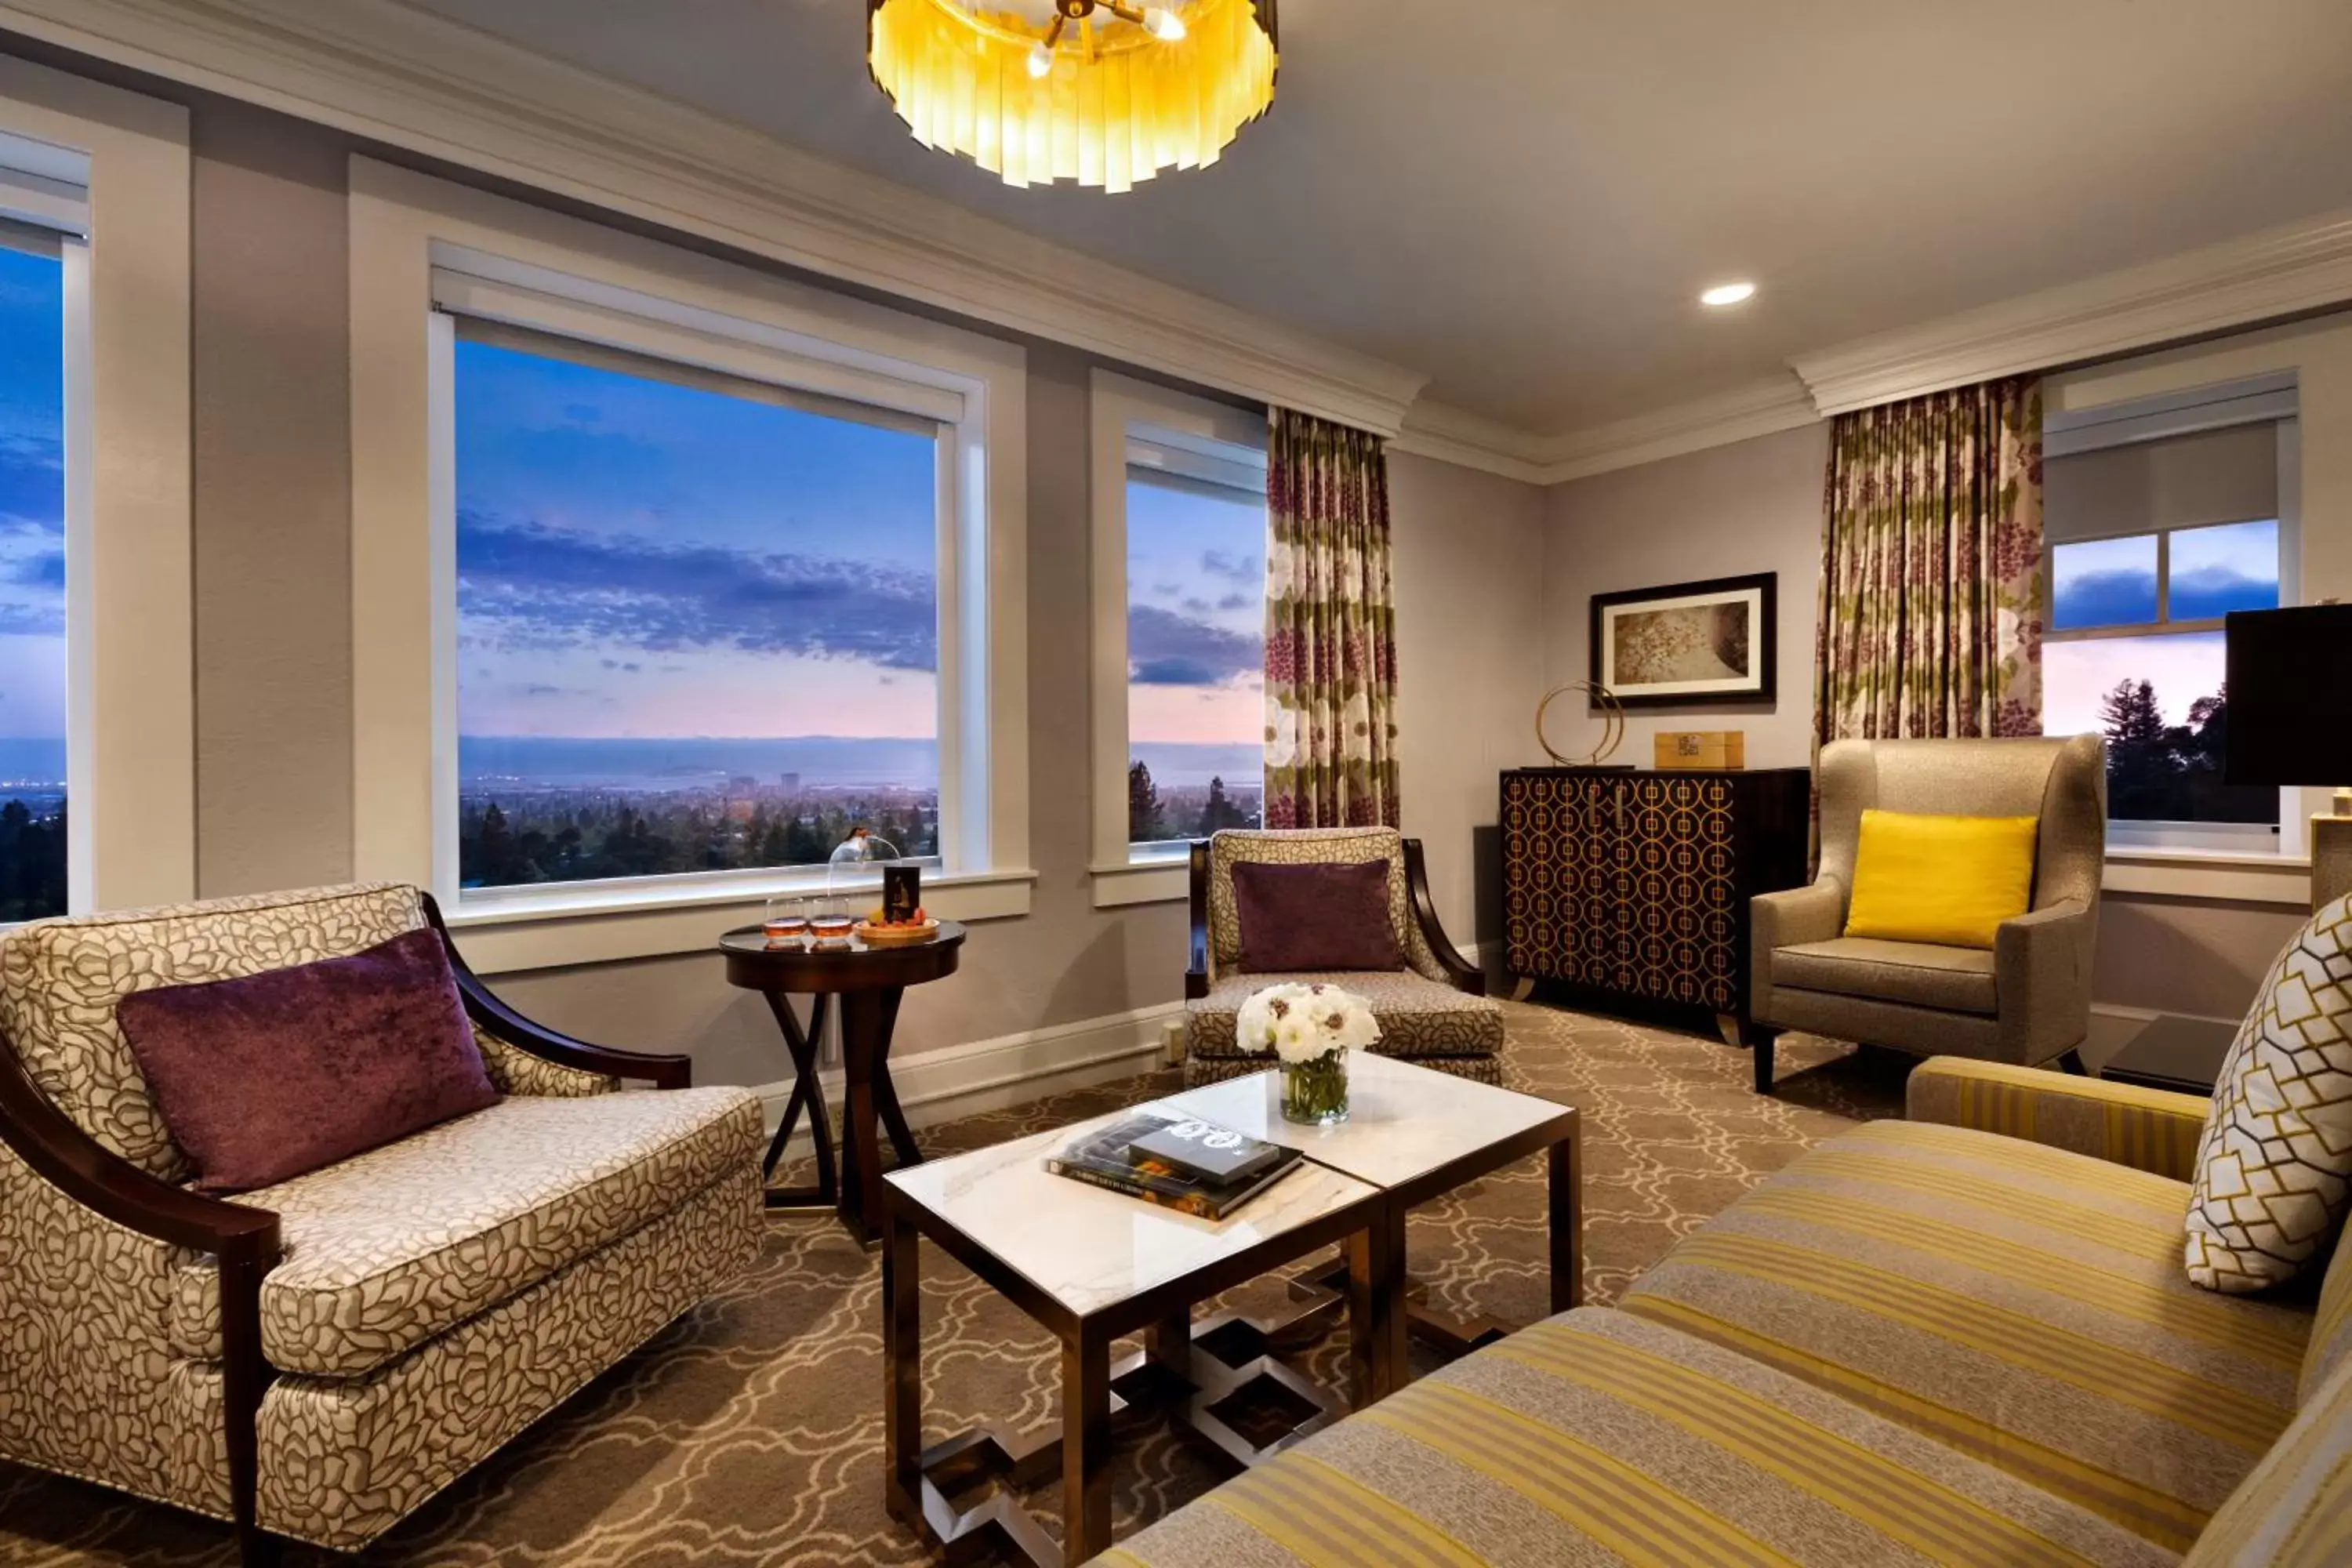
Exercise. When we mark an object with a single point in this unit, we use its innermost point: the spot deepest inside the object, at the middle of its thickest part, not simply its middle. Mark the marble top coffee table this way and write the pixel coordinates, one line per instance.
(1416, 1134)
(1091, 1265)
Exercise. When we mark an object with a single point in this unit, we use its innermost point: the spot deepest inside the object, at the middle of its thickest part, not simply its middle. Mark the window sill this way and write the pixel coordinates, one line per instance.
(1163, 878)
(560, 929)
(2251, 877)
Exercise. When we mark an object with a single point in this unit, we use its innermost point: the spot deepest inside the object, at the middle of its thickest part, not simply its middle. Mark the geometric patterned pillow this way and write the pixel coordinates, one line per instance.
(2274, 1169)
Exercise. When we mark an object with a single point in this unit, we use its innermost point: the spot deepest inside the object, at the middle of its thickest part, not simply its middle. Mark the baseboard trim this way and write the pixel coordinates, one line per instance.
(988, 1074)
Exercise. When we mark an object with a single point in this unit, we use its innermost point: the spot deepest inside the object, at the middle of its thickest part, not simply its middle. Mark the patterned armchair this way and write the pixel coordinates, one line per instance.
(317, 1358)
(1435, 1012)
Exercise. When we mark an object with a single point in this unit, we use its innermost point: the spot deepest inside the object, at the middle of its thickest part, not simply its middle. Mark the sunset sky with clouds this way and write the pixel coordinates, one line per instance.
(639, 559)
(32, 496)
(1196, 616)
(645, 560)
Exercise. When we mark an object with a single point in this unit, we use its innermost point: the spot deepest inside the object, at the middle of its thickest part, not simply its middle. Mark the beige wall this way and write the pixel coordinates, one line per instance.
(1470, 628)
(1728, 512)
(273, 502)
(273, 635)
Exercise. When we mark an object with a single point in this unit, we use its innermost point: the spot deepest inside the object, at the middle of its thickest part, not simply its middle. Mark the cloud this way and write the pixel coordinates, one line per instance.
(32, 484)
(551, 588)
(1238, 569)
(1164, 649)
(1196, 607)
(32, 620)
(2206, 592)
(2106, 598)
(1236, 602)
(44, 569)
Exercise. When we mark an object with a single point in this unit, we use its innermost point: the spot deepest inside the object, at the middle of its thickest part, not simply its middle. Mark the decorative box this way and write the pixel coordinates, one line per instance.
(1712, 749)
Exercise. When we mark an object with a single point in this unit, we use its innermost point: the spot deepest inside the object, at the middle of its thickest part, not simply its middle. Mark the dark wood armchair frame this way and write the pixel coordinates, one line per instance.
(243, 1239)
(1465, 975)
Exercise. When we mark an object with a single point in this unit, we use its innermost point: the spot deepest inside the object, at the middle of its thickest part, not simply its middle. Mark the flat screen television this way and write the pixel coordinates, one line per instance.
(2290, 715)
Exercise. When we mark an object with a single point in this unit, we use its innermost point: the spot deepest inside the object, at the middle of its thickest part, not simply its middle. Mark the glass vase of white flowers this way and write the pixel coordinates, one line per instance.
(1312, 1028)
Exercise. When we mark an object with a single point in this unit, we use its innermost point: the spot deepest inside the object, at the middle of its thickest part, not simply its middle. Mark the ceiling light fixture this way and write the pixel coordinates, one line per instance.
(1108, 93)
(1724, 294)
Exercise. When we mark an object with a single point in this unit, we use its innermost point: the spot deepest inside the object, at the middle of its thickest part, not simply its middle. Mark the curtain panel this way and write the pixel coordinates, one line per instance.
(1930, 619)
(1330, 641)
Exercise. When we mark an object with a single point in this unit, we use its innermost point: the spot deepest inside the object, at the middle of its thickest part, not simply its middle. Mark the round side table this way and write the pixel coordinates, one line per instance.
(869, 981)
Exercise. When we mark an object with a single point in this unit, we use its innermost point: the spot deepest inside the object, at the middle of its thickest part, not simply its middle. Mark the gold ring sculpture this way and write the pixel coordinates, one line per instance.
(1612, 723)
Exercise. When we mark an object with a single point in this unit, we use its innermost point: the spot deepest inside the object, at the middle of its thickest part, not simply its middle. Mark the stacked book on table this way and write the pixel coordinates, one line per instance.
(1177, 1161)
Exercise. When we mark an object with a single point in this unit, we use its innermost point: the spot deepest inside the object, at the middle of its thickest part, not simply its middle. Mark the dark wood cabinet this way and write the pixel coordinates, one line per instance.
(1636, 884)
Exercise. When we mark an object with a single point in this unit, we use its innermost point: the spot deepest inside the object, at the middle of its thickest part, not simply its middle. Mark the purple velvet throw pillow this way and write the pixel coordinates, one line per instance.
(263, 1078)
(1296, 917)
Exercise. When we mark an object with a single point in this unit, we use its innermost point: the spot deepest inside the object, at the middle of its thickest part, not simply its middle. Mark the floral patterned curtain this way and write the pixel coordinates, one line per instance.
(1331, 643)
(1931, 568)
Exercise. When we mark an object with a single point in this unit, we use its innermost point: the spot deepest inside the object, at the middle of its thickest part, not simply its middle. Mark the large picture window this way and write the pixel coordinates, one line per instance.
(33, 688)
(699, 619)
(668, 575)
(1195, 640)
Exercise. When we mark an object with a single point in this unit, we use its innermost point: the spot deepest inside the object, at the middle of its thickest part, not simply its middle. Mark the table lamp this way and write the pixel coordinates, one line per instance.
(2290, 717)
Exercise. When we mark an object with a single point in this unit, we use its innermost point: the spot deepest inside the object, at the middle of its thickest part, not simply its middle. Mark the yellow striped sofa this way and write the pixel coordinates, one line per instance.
(1962, 1338)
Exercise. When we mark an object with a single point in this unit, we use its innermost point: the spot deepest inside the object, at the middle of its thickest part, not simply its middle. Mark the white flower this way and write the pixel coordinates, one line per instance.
(1281, 732)
(1303, 1023)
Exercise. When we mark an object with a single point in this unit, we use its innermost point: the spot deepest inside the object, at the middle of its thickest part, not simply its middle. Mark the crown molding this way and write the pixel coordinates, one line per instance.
(1471, 441)
(1761, 408)
(2260, 277)
(1466, 440)
(414, 81)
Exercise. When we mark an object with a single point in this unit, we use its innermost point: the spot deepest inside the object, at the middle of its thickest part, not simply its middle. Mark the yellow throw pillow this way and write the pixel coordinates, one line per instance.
(1947, 879)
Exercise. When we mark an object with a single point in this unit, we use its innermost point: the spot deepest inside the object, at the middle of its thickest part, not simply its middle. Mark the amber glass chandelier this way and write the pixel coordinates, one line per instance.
(1104, 92)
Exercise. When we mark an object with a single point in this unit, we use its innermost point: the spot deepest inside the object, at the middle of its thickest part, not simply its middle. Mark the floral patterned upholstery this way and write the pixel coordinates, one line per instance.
(1418, 1017)
(60, 982)
(404, 1243)
(1423, 1017)
(435, 1296)
(343, 1461)
(1309, 847)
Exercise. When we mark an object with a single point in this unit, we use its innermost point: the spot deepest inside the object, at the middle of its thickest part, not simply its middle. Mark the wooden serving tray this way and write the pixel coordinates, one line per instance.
(895, 936)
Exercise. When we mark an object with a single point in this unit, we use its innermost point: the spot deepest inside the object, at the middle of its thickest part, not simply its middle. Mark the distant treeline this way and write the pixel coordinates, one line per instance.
(32, 861)
(564, 837)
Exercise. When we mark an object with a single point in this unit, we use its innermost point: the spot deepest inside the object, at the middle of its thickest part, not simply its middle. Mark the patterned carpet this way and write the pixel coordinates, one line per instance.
(751, 1432)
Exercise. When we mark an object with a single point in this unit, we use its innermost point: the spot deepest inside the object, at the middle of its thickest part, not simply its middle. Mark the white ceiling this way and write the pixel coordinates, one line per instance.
(1523, 198)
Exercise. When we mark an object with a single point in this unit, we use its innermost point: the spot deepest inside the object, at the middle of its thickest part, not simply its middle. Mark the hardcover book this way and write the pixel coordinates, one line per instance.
(1206, 1151)
(1108, 1158)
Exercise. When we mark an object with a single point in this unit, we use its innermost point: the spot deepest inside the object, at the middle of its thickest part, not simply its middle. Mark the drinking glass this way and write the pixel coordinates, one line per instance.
(786, 919)
(830, 920)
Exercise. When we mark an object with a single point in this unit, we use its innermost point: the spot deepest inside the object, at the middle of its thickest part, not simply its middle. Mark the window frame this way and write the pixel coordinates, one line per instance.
(421, 246)
(2270, 399)
(130, 654)
(1120, 407)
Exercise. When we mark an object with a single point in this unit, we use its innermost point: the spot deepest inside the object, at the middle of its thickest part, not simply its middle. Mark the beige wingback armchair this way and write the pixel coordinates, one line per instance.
(2026, 1001)
(317, 1359)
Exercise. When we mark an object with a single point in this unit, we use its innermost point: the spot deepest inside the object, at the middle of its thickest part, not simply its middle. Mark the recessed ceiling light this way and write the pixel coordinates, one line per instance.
(1728, 294)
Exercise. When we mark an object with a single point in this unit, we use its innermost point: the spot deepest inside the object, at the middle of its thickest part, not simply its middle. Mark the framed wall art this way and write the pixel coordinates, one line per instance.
(1687, 644)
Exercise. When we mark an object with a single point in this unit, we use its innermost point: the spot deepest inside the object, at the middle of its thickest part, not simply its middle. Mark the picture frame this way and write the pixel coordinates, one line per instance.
(1689, 644)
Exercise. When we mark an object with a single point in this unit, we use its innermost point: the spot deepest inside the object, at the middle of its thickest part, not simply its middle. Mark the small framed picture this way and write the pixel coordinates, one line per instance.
(1687, 644)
